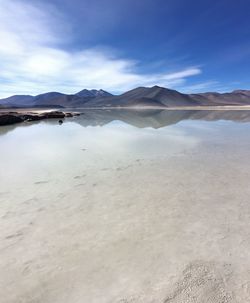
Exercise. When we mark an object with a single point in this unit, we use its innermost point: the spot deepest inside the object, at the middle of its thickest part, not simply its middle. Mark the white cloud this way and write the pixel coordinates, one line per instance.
(34, 59)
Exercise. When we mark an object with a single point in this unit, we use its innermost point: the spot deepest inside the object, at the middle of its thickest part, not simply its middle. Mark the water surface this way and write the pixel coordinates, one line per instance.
(126, 206)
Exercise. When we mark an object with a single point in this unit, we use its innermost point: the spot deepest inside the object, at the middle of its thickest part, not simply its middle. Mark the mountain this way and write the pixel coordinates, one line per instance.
(145, 96)
(237, 97)
(16, 100)
(93, 93)
(53, 99)
(162, 97)
(157, 97)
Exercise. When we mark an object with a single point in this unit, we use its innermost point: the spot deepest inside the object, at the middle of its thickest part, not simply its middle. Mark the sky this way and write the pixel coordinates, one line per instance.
(117, 45)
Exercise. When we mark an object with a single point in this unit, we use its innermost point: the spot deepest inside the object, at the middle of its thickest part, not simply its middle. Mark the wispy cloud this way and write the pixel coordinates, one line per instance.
(34, 57)
(206, 86)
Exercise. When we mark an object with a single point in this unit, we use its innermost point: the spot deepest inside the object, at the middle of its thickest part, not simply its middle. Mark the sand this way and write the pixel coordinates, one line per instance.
(149, 216)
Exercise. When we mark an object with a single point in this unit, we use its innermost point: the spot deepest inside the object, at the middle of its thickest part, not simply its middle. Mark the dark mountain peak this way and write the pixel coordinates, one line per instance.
(210, 94)
(103, 93)
(84, 93)
(93, 93)
(49, 95)
(143, 90)
(160, 91)
(136, 91)
(157, 87)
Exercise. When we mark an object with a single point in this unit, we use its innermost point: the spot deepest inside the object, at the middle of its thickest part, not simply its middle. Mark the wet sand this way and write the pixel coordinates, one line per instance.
(120, 214)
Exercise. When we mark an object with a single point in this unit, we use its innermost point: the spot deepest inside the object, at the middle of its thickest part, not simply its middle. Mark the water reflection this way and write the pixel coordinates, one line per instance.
(158, 118)
(143, 118)
(131, 201)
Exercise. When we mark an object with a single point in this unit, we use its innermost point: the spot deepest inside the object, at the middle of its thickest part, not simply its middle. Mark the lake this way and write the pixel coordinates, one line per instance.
(126, 206)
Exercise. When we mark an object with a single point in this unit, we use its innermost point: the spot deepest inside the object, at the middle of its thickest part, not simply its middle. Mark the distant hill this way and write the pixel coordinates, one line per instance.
(139, 97)
(53, 99)
(16, 100)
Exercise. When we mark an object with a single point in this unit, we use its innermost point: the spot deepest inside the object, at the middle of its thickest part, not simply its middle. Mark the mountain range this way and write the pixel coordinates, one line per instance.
(139, 97)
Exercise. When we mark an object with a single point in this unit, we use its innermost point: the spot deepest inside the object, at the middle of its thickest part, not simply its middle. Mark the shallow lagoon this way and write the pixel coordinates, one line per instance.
(126, 206)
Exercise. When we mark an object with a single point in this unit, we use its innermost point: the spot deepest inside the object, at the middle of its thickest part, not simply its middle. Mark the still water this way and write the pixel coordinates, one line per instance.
(126, 206)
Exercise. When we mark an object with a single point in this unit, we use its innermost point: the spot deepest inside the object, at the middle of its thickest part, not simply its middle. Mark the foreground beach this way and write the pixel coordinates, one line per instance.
(149, 216)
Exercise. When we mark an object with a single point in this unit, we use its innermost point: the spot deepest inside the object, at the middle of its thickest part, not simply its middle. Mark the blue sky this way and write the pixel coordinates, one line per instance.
(68, 45)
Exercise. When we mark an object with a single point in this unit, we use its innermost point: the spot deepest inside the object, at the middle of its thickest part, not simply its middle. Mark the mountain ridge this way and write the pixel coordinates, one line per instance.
(154, 96)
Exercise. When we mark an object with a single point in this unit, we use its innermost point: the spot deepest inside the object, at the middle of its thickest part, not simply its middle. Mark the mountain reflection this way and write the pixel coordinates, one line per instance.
(154, 118)
(158, 118)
